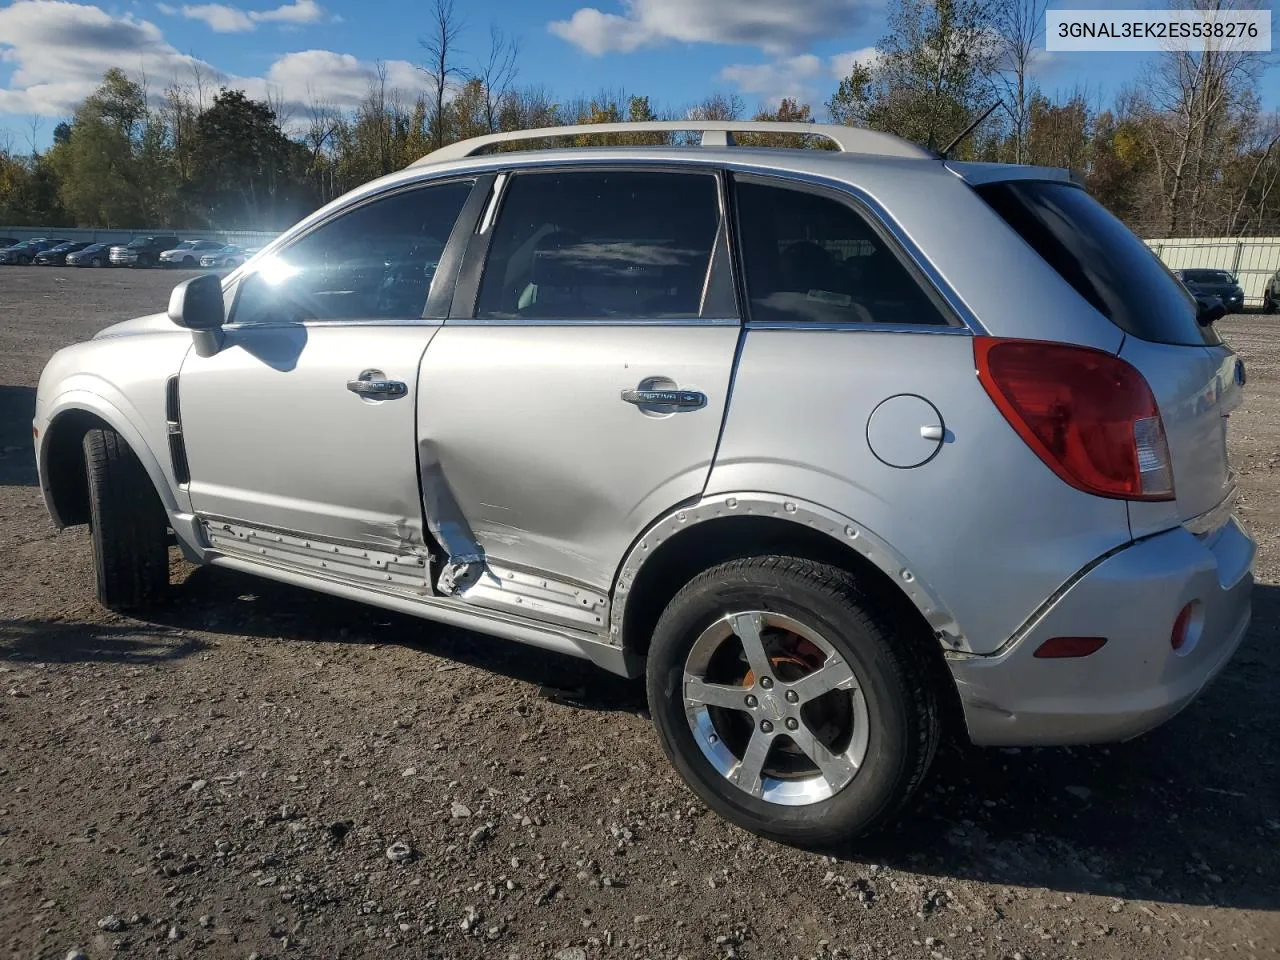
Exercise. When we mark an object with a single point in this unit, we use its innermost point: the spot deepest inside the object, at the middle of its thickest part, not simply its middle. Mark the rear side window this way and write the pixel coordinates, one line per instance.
(810, 258)
(599, 245)
(1099, 256)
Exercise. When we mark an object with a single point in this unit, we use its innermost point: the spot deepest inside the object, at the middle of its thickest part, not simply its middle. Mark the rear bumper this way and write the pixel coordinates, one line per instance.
(1136, 681)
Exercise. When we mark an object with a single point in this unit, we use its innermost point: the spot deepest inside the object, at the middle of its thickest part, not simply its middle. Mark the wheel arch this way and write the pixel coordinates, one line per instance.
(728, 526)
(61, 456)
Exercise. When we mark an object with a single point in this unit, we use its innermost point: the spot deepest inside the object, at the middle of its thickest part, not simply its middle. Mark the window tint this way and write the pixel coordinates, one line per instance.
(599, 245)
(374, 263)
(812, 259)
(1101, 258)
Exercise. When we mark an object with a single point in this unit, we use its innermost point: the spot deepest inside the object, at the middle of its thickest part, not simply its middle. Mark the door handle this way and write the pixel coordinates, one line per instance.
(678, 399)
(371, 385)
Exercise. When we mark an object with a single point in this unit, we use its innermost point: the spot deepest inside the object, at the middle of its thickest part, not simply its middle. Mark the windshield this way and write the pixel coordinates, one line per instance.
(1101, 258)
(1207, 276)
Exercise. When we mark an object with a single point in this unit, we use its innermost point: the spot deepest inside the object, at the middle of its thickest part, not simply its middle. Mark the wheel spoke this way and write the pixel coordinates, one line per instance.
(837, 769)
(749, 773)
(697, 690)
(747, 628)
(835, 674)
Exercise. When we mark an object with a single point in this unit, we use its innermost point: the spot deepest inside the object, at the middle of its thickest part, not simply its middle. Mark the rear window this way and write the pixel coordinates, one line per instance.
(1101, 258)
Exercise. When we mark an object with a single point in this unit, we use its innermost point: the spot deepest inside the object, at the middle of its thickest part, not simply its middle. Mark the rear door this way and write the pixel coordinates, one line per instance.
(577, 391)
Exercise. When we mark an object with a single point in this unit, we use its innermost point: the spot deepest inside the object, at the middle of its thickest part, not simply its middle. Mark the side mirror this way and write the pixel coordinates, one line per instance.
(1209, 310)
(197, 303)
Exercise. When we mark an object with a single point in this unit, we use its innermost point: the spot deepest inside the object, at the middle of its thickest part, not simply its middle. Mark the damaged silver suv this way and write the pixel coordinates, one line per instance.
(839, 448)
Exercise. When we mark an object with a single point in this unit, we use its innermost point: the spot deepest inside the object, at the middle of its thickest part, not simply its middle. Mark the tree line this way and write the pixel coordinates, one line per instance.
(1185, 149)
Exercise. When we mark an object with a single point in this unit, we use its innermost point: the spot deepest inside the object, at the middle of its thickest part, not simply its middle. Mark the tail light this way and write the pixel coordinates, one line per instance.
(1088, 415)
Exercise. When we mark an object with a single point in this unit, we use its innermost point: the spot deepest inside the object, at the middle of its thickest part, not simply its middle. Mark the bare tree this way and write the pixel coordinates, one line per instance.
(1019, 25)
(498, 73)
(718, 106)
(35, 123)
(1194, 93)
(441, 47)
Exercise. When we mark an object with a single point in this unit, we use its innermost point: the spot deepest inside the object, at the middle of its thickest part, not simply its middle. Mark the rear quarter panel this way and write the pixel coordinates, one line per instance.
(985, 525)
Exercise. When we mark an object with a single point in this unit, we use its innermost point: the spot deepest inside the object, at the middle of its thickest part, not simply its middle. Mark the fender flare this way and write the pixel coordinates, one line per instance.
(119, 416)
(851, 534)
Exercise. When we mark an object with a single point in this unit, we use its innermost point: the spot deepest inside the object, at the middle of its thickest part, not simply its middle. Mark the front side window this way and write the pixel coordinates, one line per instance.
(600, 245)
(374, 263)
(810, 258)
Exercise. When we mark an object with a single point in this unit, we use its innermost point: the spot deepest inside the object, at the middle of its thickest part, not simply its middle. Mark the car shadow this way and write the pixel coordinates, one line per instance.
(1176, 816)
(17, 455)
(227, 601)
(55, 641)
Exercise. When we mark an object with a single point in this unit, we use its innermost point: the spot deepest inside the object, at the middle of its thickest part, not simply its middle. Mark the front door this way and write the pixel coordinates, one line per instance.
(300, 429)
(582, 396)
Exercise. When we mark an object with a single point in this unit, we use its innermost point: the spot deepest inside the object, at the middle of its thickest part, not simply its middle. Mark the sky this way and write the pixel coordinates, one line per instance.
(54, 52)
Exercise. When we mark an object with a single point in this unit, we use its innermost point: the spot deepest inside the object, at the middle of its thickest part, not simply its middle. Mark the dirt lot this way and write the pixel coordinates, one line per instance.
(225, 778)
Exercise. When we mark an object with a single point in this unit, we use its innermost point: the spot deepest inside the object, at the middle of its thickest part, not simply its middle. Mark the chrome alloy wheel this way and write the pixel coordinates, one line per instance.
(775, 708)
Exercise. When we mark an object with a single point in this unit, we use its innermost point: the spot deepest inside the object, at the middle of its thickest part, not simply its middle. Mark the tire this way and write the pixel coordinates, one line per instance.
(128, 523)
(896, 732)
(1268, 305)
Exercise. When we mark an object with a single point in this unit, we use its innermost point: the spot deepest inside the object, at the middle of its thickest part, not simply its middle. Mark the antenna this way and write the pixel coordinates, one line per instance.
(946, 151)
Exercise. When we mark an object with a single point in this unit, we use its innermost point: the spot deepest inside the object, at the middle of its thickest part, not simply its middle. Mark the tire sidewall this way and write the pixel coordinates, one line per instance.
(859, 806)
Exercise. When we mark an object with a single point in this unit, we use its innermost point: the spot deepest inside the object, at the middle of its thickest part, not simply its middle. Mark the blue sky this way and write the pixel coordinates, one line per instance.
(52, 52)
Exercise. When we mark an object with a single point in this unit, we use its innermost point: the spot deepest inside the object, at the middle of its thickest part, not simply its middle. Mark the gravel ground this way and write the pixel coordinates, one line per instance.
(257, 771)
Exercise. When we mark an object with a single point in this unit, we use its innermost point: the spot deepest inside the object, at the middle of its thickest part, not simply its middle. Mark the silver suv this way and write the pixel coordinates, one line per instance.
(841, 449)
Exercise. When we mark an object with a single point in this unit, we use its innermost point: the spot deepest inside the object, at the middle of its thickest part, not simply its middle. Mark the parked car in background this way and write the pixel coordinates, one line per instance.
(1271, 293)
(57, 255)
(25, 252)
(227, 255)
(188, 252)
(8, 242)
(754, 423)
(1215, 283)
(94, 255)
(143, 251)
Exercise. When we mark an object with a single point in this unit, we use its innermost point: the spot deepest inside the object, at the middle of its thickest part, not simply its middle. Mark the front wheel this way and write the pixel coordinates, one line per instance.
(128, 522)
(787, 699)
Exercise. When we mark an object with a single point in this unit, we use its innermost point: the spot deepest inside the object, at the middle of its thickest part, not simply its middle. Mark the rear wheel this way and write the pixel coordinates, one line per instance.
(788, 701)
(128, 523)
(1268, 304)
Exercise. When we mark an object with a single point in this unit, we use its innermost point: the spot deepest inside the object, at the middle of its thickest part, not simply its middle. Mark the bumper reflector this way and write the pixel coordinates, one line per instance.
(1182, 626)
(1060, 647)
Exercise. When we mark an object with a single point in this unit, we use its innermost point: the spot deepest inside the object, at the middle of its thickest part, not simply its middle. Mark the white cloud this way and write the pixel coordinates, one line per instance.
(219, 17)
(788, 77)
(166, 9)
(335, 79)
(778, 28)
(805, 77)
(223, 18)
(842, 63)
(62, 49)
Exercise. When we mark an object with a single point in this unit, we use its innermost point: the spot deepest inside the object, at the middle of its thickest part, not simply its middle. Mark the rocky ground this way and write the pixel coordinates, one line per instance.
(255, 771)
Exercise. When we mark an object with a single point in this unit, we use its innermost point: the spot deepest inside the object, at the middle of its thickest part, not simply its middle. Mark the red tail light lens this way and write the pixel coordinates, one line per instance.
(1088, 415)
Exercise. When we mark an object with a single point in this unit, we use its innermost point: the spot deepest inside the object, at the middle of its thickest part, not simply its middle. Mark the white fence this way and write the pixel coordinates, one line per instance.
(1252, 259)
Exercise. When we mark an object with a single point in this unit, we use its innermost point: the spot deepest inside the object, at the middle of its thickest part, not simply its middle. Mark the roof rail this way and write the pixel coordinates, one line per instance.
(715, 133)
